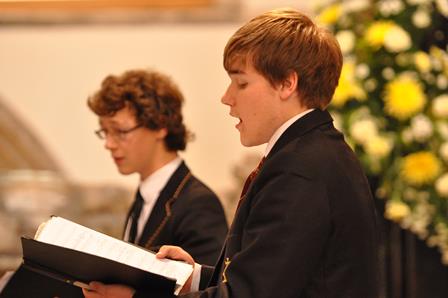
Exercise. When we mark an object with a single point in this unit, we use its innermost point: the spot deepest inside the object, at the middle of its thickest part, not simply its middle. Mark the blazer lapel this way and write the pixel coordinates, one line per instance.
(129, 215)
(159, 213)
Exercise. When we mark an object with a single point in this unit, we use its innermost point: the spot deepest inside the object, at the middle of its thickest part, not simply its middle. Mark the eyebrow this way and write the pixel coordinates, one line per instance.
(235, 72)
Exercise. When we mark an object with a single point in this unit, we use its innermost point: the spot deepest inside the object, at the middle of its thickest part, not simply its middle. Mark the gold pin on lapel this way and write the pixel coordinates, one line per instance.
(226, 264)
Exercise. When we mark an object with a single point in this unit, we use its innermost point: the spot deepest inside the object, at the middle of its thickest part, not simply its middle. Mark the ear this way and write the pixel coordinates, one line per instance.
(161, 133)
(289, 85)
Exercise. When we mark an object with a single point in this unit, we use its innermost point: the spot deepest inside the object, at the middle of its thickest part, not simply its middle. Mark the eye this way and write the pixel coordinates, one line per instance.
(242, 85)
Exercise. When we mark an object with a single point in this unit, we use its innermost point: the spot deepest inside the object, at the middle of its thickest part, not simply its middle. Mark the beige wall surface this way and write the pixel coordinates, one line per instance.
(47, 72)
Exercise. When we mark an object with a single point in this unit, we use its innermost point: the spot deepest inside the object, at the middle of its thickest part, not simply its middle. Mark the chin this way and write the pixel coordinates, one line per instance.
(125, 171)
(252, 142)
(248, 143)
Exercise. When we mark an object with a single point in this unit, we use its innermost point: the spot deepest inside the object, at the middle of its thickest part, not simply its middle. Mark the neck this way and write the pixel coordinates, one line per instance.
(290, 108)
(162, 159)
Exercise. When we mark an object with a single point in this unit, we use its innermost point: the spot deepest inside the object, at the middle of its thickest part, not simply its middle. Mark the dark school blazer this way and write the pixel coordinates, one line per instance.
(186, 214)
(307, 227)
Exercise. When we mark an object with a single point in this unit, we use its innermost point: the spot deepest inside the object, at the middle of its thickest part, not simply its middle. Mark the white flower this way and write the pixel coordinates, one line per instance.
(421, 18)
(361, 131)
(362, 71)
(355, 5)
(397, 40)
(407, 136)
(421, 127)
(442, 185)
(388, 73)
(390, 7)
(337, 120)
(436, 64)
(370, 84)
(422, 61)
(418, 2)
(443, 150)
(378, 146)
(442, 7)
(442, 127)
(440, 106)
(442, 81)
(396, 210)
(346, 40)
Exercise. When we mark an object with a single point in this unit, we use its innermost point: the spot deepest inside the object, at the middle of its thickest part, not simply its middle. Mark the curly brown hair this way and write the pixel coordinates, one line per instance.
(153, 96)
(284, 40)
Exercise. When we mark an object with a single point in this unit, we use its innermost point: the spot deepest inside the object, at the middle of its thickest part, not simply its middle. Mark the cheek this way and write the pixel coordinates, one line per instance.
(145, 145)
(134, 149)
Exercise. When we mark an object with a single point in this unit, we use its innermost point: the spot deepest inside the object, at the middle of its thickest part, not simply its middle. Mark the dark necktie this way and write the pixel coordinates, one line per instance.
(135, 213)
(249, 180)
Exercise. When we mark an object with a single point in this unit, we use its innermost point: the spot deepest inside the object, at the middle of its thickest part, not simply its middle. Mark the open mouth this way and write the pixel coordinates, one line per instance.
(239, 122)
(118, 159)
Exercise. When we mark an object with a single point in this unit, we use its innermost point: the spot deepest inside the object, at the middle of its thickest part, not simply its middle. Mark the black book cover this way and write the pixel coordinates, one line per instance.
(54, 269)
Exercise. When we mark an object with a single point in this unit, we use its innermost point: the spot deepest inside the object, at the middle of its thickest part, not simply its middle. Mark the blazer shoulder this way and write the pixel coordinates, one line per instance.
(197, 192)
(309, 154)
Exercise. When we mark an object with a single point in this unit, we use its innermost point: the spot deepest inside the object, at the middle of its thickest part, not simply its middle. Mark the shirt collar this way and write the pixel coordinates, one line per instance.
(278, 133)
(151, 187)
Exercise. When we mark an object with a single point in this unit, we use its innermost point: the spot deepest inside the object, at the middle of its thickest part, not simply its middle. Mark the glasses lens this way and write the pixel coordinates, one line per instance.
(100, 134)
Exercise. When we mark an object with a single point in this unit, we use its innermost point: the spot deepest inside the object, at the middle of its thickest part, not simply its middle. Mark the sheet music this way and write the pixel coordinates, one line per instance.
(5, 279)
(65, 233)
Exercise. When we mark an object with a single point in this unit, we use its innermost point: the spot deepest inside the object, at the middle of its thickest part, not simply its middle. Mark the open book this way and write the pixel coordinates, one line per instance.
(81, 255)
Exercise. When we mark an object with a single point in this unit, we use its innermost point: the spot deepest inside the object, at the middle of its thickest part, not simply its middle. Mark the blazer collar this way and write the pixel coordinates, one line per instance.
(302, 126)
(158, 213)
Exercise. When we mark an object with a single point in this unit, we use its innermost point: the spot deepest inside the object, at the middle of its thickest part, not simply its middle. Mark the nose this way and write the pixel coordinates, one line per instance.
(227, 97)
(109, 142)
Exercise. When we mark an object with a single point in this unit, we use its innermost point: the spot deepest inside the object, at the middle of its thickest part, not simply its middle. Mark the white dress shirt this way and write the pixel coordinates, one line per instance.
(150, 189)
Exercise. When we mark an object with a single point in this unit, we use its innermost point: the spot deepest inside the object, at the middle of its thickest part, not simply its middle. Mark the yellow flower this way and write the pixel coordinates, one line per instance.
(348, 86)
(330, 15)
(376, 33)
(396, 210)
(420, 168)
(404, 97)
(422, 61)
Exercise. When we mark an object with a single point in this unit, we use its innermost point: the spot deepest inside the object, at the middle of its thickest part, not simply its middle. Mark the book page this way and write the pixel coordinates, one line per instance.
(62, 232)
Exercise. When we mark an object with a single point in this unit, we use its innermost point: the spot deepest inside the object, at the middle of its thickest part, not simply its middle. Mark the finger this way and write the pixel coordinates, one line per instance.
(167, 251)
(90, 294)
(96, 286)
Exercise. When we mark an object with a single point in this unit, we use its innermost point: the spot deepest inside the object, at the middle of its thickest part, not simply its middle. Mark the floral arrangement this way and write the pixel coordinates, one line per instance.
(392, 105)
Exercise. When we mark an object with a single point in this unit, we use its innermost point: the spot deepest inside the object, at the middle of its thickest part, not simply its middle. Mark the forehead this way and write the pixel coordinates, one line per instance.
(123, 116)
(240, 65)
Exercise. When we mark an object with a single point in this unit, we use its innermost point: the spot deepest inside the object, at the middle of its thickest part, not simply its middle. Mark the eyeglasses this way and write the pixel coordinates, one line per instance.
(116, 134)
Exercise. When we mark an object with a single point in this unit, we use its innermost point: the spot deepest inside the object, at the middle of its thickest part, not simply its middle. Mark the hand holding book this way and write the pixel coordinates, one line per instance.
(97, 289)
